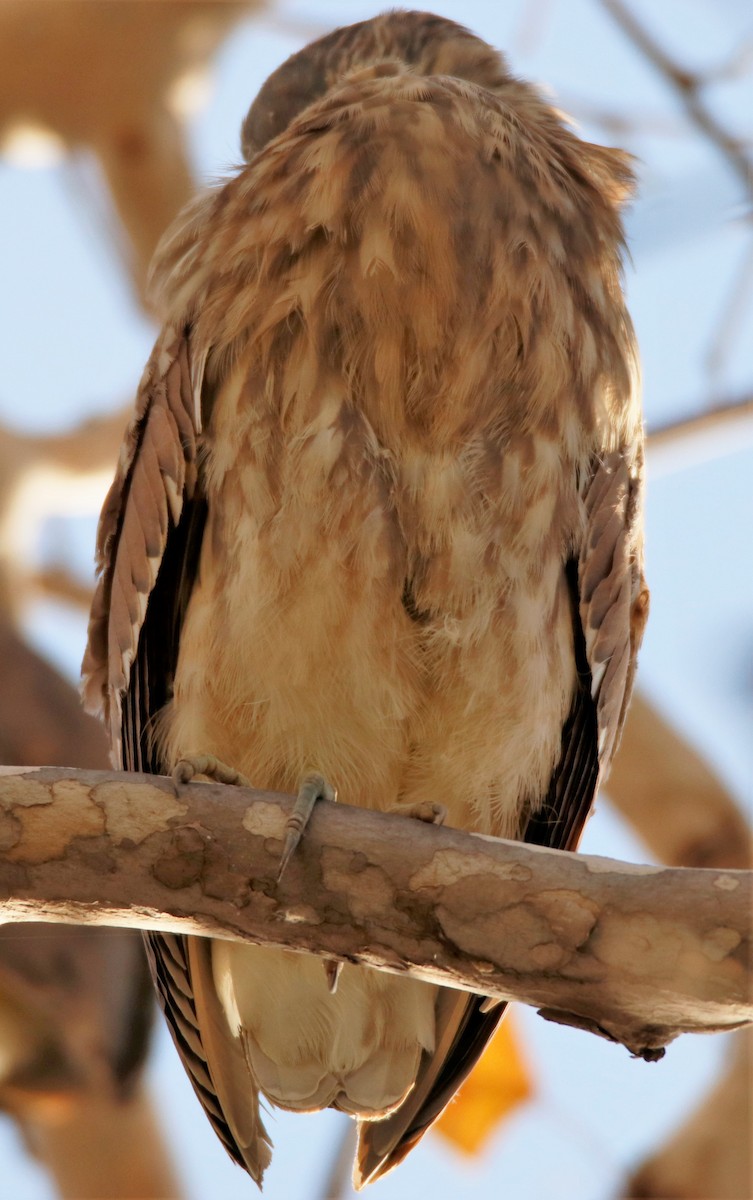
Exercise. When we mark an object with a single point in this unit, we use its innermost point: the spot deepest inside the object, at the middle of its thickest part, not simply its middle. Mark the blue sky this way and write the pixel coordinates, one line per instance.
(75, 343)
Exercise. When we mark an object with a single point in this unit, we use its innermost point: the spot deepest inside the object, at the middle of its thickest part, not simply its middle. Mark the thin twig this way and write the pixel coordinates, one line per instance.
(737, 64)
(337, 1183)
(690, 441)
(731, 318)
(727, 413)
(618, 122)
(688, 87)
(59, 584)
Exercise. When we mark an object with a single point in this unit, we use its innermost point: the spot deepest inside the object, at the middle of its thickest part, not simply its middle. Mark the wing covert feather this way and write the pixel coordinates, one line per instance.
(156, 473)
(147, 555)
(613, 597)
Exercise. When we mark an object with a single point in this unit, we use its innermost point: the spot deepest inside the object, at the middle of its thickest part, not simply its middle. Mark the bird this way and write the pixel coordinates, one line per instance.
(376, 528)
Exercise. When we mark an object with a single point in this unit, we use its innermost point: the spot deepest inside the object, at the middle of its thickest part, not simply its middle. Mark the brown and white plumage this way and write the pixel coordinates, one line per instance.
(378, 516)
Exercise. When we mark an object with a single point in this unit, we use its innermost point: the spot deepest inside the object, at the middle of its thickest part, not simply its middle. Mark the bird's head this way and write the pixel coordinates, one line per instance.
(422, 42)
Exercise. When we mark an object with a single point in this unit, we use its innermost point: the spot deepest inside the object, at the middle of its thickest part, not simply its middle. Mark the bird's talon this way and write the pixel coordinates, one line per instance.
(313, 788)
(332, 970)
(426, 810)
(436, 814)
(182, 774)
(213, 768)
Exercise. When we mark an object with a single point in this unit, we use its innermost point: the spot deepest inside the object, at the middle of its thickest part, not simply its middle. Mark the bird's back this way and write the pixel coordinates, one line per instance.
(395, 429)
(406, 338)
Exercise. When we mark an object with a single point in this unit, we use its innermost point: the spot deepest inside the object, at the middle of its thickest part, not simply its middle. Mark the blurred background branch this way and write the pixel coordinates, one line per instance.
(76, 1005)
(118, 78)
(689, 86)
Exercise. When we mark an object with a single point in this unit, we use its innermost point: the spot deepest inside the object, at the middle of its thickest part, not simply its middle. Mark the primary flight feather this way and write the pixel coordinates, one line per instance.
(378, 517)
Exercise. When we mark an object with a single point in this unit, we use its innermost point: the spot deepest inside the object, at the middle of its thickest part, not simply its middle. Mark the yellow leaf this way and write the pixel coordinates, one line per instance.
(499, 1082)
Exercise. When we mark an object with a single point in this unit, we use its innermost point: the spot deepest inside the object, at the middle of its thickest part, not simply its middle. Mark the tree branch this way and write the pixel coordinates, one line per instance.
(730, 413)
(721, 429)
(637, 954)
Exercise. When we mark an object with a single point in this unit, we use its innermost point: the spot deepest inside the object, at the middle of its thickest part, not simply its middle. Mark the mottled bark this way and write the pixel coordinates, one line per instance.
(638, 954)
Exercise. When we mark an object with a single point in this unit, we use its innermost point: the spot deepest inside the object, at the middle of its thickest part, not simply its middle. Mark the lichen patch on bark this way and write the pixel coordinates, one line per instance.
(446, 867)
(134, 817)
(48, 826)
(264, 820)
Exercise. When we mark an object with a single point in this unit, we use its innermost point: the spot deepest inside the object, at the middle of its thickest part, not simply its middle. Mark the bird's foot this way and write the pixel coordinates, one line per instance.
(425, 810)
(313, 788)
(206, 764)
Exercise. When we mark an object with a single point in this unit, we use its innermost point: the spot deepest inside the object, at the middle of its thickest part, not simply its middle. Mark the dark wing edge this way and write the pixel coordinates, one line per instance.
(610, 606)
(148, 546)
(182, 972)
(156, 474)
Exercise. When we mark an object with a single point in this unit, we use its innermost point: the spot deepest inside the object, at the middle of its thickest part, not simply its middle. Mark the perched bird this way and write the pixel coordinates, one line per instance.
(377, 518)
